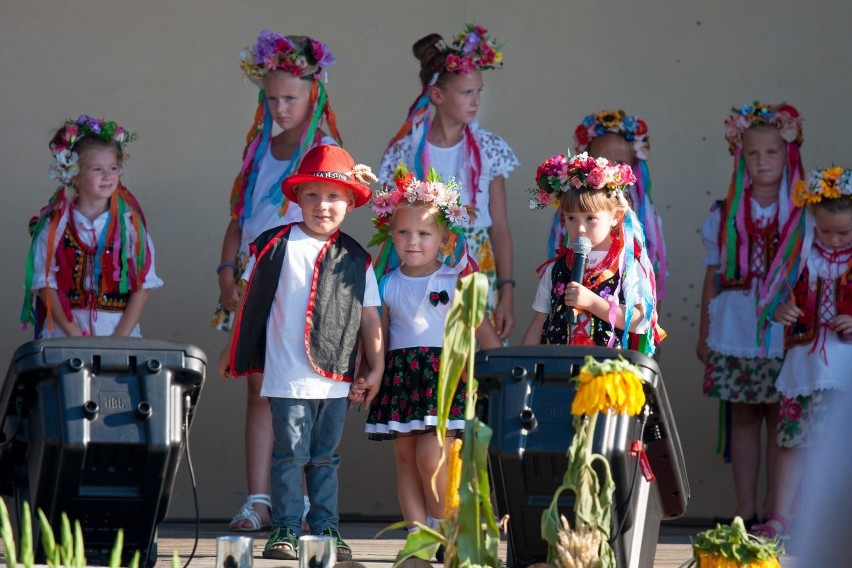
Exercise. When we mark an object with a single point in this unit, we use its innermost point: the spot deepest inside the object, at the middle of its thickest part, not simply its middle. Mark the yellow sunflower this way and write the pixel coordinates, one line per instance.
(613, 384)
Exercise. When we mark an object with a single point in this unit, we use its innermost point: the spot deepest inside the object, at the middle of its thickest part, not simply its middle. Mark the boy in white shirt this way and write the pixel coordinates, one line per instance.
(311, 298)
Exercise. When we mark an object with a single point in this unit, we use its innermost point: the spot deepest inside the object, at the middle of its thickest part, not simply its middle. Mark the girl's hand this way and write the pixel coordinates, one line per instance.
(504, 316)
(578, 296)
(365, 389)
(788, 314)
(230, 294)
(842, 324)
(225, 363)
(701, 349)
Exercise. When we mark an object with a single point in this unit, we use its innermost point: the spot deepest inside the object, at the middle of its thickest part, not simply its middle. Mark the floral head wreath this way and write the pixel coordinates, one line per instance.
(633, 129)
(444, 196)
(300, 55)
(472, 49)
(559, 174)
(65, 160)
(830, 183)
(303, 57)
(783, 116)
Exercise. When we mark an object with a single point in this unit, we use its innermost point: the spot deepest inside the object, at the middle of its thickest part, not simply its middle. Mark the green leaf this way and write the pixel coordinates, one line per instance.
(27, 555)
(48, 541)
(421, 544)
(8, 536)
(175, 559)
(134, 560)
(117, 547)
(79, 547)
(66, 543)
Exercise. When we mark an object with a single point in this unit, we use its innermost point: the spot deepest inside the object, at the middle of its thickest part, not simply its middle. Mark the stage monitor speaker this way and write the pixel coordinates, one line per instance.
(525, 396)
(94, 427)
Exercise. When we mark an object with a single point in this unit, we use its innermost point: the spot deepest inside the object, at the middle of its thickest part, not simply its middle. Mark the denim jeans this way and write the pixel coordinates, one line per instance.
(307, 433)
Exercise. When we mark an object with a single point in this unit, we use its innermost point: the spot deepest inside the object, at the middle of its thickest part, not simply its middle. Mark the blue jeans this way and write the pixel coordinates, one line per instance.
(307, 433)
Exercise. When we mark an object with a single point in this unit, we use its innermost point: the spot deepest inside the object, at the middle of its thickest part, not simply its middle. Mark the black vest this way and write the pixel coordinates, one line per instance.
(333, 319)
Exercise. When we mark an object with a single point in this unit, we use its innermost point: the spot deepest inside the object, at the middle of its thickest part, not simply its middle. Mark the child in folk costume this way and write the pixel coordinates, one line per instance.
(741, 238)
(451, 141)
(809, 291)
(289, 71)
(615, 305)
(421, 218)
(621, 139)
(311, 300)
(91, 260)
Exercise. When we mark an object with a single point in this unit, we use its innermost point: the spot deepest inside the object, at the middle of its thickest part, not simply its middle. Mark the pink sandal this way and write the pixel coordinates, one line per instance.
(769, 529)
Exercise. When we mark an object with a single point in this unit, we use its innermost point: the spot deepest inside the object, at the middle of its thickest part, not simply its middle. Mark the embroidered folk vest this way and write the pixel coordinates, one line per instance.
(739, 280)
(75, 261)
(805, 329)
(556, 329)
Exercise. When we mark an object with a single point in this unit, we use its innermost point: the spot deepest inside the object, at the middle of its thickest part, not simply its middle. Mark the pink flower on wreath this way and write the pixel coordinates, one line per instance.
(283, 47)
(543, 197)
(596, 178)
(480, 31)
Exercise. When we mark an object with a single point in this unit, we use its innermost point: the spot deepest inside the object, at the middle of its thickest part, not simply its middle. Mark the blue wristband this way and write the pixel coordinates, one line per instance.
(226, 265)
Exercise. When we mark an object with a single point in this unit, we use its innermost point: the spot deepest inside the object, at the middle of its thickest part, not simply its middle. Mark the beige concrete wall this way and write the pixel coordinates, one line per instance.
(169, 70)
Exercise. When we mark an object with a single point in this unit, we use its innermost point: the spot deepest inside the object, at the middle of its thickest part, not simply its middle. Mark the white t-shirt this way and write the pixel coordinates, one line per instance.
(496, 156)
(733, 313)
(266, 214)
(287, 372)
(88, 231)
(414, 321)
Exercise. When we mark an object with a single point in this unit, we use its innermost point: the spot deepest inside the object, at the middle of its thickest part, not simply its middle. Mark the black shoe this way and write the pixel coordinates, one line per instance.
(439, 554)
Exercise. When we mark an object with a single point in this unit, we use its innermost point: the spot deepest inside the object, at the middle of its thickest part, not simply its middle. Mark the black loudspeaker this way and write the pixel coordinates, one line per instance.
(94, 427)
(525, 396)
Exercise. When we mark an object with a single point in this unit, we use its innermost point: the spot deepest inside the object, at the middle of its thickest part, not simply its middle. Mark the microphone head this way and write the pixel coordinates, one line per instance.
(582, 245)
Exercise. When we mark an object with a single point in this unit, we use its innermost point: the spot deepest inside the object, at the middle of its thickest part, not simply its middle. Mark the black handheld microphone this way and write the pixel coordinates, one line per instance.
(581, 246)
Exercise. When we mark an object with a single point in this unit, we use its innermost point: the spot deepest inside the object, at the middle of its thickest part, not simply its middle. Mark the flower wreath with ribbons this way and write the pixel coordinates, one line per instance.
(444, 196)
(734, 239)
(303, 57)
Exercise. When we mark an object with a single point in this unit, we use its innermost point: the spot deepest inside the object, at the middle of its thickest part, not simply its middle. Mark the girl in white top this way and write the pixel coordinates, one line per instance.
(91, 260)
(454, 144)
(809, 291)
(741, 237)
(421, 219)
(287, 69)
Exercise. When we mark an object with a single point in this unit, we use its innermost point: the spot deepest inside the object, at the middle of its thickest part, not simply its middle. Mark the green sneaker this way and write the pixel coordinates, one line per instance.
(344, 551)
(283, 544)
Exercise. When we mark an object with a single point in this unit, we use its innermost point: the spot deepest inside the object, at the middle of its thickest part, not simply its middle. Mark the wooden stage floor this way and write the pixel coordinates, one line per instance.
(672, 551)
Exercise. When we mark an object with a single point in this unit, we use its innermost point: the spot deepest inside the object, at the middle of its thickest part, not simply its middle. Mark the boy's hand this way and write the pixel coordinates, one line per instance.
(842, 324)
(225, 363)
(578, 296)
(365, 389)
(788, 314)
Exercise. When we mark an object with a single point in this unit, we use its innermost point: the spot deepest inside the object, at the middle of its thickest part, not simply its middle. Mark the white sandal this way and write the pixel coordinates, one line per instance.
(247, 513)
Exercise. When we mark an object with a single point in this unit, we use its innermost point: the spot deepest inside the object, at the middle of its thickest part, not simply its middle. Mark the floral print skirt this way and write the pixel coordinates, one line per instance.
(407, 402)
(802, 418)
(749, 380)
